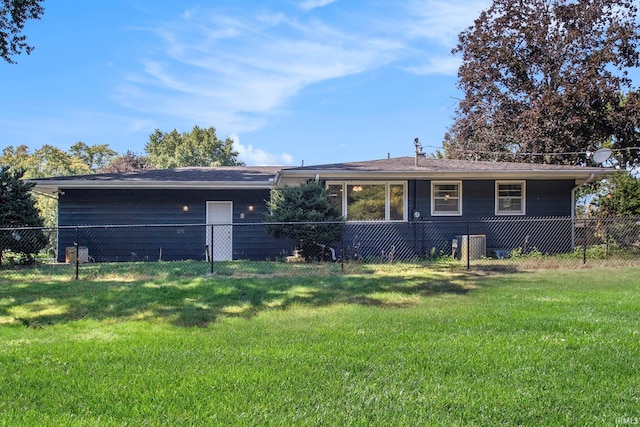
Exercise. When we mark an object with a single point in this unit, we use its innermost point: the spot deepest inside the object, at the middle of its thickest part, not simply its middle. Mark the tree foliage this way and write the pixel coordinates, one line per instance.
(46, 161)
(49, 161)
(200, 147)
(305, 203)
(129, 162)
(547, 76)
(13, 16)
(619, 196)
(94, 156)
(17, 210)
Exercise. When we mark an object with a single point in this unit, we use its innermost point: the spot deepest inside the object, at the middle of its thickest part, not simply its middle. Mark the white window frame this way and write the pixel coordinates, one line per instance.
(387, 197)
(523, 196)
(433, 198)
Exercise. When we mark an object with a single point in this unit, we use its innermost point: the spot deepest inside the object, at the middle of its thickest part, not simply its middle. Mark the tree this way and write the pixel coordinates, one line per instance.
(619, 196)
(46, 161)
(95, 156)
(13, 16)
(129, 162)
(627, 129)
(200, 147)
(306, 203)
(547, 76)
(17, 210)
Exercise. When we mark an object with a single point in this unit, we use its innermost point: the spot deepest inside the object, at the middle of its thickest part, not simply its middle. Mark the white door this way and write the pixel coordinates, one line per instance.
(219, 230)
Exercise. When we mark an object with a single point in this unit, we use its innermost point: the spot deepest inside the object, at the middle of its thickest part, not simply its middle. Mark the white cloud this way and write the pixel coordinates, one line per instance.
(234, 73)
(238, 72)
(441, 20)
(256, 156)
(314, 4)
(444, 65)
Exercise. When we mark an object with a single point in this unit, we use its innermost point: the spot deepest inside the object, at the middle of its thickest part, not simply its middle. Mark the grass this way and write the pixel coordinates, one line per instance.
(402, 347)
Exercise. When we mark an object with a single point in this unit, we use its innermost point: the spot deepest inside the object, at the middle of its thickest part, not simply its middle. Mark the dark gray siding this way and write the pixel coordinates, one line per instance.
(549, 198)
(544, 198)
(184, 239)
(99, 207)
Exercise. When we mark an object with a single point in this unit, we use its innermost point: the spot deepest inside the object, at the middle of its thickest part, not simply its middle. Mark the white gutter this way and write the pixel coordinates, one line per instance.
(494, 174)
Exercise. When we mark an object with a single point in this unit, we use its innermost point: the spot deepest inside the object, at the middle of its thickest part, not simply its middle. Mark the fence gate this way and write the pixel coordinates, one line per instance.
(220, 230)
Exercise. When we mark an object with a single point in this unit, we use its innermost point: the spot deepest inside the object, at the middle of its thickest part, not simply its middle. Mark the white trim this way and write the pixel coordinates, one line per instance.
(523, 197)
(387, 196)
(433, 198)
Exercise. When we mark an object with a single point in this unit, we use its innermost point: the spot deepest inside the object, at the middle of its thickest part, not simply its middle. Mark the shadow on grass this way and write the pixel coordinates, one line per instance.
(200, 301)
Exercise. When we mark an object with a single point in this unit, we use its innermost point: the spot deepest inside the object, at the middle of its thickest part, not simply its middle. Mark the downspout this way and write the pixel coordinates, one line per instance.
(573, 207)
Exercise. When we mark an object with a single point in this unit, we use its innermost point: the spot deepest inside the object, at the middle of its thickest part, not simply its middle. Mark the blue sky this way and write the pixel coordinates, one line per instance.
(319, 81)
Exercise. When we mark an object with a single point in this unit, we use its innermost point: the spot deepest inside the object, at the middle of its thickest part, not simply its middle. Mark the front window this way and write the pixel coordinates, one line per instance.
(366, 202)
(510, 198)
(369, 201)
(446, 198)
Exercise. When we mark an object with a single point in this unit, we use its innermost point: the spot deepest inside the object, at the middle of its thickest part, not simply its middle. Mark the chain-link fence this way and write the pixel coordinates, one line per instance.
(245, 249)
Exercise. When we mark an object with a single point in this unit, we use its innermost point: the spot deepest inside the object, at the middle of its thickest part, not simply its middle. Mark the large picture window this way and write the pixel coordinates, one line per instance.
(510, 198)
(369, 201)
(446, 198)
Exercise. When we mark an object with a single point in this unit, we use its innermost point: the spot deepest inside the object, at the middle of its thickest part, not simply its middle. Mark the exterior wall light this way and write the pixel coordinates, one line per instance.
(185, 208)
(250, 208)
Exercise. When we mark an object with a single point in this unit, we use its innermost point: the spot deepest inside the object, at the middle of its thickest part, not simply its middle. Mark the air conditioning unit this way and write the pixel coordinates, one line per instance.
(472, 246)
(70, 255)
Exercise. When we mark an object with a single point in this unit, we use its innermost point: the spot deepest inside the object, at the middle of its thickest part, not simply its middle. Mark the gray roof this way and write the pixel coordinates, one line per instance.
(246, 177)
(408, 164)
(189, 177)
(424, 168)
(190, 174)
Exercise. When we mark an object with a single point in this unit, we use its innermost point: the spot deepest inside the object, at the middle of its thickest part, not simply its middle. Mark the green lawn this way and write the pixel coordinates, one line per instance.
(406, 347)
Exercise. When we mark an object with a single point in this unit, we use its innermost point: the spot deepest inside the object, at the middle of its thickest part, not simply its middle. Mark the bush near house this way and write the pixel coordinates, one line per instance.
(305, 203)
(17, 210)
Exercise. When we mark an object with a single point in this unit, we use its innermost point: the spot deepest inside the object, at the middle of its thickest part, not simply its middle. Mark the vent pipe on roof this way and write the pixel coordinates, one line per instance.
(419, 152)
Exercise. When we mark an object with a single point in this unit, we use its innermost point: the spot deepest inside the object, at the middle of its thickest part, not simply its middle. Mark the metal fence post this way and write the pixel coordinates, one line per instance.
(211, 250)
(77, 246)
(342, 253)
(468, 245)
(584, 243)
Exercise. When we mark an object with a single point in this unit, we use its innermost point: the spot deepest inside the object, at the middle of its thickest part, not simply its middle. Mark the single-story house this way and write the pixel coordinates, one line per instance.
(422, 203)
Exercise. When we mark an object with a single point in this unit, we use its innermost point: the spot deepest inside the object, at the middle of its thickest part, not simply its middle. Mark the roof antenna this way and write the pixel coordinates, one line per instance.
(419, 152)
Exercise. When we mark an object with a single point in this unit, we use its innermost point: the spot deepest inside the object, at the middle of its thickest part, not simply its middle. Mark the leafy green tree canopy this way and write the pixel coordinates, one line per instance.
(547, 76)
(305, 203)
(17, 209)
(94, 156)
(49, 161)
(13, 15)
(200, 147)
(620, 197)
(46, 161)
